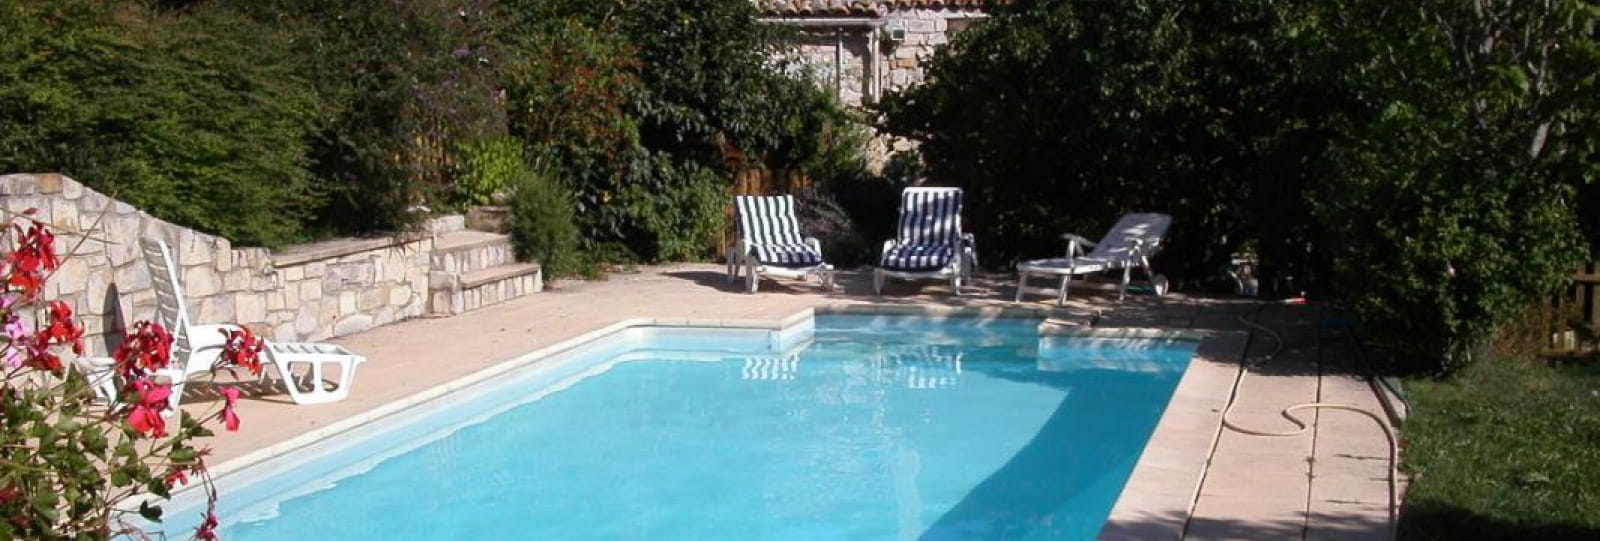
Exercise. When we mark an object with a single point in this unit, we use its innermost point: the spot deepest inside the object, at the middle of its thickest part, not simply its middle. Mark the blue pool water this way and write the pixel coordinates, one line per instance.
(882, 428)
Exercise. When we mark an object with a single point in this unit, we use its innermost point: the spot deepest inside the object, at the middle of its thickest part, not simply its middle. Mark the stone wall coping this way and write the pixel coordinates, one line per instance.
(301, 254)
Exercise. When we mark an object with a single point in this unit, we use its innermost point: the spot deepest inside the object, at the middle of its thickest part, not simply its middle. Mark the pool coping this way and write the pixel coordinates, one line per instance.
(1156, 501)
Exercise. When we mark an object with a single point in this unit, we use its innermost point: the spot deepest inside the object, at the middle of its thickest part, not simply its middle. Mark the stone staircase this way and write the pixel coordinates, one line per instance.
(473, 269)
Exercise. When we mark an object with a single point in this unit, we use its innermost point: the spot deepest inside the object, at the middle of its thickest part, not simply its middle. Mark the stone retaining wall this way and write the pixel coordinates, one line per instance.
(309, 292)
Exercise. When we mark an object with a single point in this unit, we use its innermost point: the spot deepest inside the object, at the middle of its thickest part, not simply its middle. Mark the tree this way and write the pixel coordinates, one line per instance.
(1418, 162)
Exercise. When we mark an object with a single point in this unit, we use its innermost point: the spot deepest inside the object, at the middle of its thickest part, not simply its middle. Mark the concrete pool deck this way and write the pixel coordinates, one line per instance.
(1196, 479)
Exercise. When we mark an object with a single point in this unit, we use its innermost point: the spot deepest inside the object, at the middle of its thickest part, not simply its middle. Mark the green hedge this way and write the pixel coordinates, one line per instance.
(202, 128)
(1405, 160)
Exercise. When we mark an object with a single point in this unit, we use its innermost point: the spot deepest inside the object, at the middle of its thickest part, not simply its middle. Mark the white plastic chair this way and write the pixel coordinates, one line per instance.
(929, 242)
(196, 348)
(770, 243)
(1129, 244)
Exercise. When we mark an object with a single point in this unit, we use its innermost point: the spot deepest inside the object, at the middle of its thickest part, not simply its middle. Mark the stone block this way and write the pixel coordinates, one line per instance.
(48, 183)
(200, 281)
(328, 314)
(64, 216)
(97, 287)
(352, 324)
(275, 301)
(259, 328)
(385, 315)
(264, 283)
(121, 230)
(72, 276)
(291, 295)
(224, 257)
(215, 309)
(399, 295)
(193, 248)
(351, 275)
(347, 302)
(294, 274)
(285, 332)
(132, 276)
(236, 280)
(372, 298)
(19, 205)
(310, 290)
(250, 308)
(94, 203)
(316, 269)
(71, 189)
(307, 319)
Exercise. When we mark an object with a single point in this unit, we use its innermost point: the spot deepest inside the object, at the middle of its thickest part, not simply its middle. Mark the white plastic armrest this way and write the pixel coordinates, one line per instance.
(1076, 244)
(814, 244)
(888, 244)
(1073, 237)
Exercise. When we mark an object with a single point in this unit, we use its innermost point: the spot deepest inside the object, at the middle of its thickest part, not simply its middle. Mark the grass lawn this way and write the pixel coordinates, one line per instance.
(1505, 450)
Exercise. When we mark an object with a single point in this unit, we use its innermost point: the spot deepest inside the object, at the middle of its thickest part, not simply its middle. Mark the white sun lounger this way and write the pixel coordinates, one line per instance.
(929, 242)
(196, 348)
(770, 243)
(1129, 244)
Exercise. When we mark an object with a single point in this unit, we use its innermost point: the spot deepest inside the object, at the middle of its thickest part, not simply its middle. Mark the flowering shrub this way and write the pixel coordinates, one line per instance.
(72, 465)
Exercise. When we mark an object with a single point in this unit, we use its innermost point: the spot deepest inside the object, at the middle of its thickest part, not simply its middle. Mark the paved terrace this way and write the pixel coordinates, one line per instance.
(1329, 483)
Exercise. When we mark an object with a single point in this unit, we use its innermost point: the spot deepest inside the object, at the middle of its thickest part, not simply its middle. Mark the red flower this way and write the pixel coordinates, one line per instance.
(61, 329)
(35, 255)
(177, 477)
(241, 348)
(230, 396)
(147, 348)
(208, 529)
(145, 417)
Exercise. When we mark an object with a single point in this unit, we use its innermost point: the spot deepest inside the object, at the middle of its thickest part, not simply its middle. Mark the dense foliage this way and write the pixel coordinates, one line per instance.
(277, 120)
(197, 126)
(1418, 162)
(542, 225)
(646, 108)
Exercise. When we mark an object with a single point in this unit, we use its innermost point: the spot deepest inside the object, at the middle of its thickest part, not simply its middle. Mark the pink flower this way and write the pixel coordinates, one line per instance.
(145, 417)
(14, 331)
(229, 417)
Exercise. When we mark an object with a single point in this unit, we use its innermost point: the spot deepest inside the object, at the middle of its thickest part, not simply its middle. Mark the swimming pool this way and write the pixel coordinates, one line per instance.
(870, 427)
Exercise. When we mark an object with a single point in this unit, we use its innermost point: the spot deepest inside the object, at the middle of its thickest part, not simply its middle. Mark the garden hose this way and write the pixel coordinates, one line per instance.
(1301, 425)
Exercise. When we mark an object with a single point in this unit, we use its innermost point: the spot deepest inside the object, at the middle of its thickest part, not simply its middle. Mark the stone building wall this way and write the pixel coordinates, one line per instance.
(899, 63)
(310, 292)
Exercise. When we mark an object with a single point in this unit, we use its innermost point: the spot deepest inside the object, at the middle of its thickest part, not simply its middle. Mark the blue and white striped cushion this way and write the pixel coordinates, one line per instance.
(929, 230)
(769, 224)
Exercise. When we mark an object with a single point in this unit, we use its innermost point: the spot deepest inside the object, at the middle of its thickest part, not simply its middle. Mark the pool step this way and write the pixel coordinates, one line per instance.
(463, 252)
(451, 293)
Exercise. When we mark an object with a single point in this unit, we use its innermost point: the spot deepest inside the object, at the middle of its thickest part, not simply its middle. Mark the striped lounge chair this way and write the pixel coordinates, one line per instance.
(930, 243)
(770, 243)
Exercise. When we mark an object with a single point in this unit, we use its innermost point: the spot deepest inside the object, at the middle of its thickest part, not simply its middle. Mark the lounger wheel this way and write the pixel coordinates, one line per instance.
(1158, 284)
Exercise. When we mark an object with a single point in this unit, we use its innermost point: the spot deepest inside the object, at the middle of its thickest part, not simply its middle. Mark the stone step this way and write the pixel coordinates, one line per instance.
(452, 294)
(464, 252)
